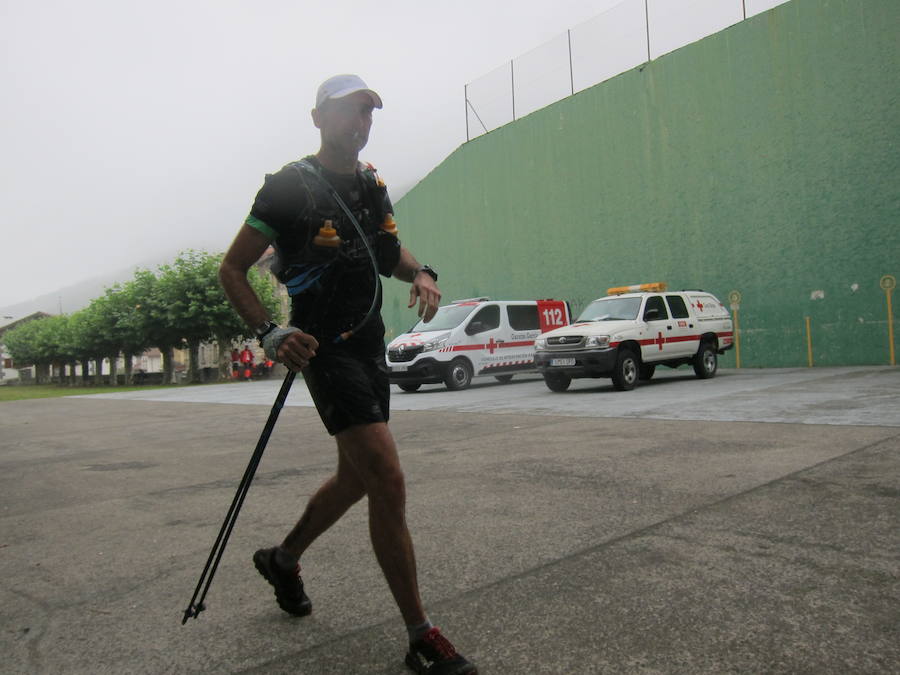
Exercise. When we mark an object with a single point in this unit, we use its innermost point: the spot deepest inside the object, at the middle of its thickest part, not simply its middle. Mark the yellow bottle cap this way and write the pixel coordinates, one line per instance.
(389, 225)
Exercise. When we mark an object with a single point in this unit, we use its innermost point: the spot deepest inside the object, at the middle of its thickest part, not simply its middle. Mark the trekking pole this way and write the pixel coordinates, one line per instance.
(215, 555)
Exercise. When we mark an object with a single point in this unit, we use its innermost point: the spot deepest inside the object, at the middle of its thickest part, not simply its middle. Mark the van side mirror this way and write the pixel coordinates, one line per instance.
(474, 327)
(651, 314)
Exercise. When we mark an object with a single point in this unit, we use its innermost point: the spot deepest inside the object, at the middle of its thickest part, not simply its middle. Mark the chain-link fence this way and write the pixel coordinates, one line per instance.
(623, 37)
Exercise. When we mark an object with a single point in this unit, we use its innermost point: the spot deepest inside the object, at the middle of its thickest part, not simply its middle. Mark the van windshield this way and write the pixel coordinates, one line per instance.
(447, 317)
(611, 309)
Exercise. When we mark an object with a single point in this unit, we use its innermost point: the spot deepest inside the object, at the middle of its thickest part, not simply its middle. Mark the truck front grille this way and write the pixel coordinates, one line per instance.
(404, 354)
(564, 342)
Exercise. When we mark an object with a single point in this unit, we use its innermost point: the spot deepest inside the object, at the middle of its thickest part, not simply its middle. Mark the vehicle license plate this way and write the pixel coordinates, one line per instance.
(562, 362)
(399, 369)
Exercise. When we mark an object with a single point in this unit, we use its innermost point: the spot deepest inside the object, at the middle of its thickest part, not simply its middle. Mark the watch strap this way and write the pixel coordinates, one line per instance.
(264, 329)
(428, 270)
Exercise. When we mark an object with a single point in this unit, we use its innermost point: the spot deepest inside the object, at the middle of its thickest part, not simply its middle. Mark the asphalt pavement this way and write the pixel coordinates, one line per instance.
(745, 524)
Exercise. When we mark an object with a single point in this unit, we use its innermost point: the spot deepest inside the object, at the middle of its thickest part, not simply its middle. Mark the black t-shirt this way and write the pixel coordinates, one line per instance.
(291, 207)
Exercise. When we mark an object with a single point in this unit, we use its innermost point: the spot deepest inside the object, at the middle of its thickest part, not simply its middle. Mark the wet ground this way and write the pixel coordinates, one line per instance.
(750, 523)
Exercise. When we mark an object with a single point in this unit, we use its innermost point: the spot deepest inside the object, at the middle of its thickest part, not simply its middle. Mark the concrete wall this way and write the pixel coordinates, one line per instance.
(763, 159)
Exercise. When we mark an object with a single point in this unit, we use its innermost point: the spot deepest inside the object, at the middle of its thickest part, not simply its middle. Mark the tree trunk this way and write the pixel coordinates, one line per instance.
(98, 376)
(85, 372)
(194, 361)
(72, 380)
(129, 357)
(114, 369)
(168, 357)
(223, 344)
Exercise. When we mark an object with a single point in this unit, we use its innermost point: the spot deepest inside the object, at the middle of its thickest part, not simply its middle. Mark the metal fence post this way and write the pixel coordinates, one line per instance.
(647, 23)
(512, 86)
(466, 102)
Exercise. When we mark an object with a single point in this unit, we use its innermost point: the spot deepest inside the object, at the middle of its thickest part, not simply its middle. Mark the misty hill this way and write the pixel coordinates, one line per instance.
(76, 296)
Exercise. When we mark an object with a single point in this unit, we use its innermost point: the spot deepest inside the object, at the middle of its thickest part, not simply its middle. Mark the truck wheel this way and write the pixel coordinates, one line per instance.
(646, 371)
(625, 375)
(410, 386)
(503, 378)
(458, 375)
(557, 381)
(706, 361)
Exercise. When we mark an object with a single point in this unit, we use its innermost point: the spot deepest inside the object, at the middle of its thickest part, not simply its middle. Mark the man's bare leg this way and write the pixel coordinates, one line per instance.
(370, 449)
(325, 507)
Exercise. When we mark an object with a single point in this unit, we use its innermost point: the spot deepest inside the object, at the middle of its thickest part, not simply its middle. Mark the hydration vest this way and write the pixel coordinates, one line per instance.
(306, 269)
(311, 273)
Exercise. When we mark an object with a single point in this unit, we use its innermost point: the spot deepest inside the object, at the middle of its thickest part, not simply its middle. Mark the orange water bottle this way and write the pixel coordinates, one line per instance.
(389, 225)
(327, 237)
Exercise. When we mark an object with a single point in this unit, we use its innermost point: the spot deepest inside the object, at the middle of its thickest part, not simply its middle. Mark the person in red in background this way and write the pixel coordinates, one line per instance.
(264, 368)
(247, 362)
(235, 363)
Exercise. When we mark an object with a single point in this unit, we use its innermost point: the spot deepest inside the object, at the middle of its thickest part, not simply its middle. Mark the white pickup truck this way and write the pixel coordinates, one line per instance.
(631, 331)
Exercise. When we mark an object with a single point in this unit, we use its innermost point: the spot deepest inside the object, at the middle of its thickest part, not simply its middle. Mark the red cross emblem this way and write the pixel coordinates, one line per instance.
(491, 345)
(660, 341)
(700, 305)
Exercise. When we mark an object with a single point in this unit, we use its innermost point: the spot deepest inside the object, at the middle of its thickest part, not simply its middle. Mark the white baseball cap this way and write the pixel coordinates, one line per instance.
(344, 85)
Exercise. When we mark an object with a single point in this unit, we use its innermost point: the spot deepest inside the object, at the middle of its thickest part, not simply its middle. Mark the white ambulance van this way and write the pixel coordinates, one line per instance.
(477, 336)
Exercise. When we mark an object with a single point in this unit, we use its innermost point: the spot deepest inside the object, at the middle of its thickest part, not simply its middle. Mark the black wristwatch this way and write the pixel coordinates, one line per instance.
(264, 329)
(427, 269)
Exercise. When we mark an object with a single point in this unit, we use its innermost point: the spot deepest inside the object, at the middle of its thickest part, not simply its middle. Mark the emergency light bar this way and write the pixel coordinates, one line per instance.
(657, 287)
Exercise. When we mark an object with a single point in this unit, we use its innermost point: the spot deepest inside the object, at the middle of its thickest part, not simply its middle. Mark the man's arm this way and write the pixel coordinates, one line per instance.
(297, 348)
(423, 286)
(245, 250)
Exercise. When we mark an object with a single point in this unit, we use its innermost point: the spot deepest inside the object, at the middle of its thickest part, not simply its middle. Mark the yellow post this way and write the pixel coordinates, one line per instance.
(809, 358)
(888, 283)
(890, 328)
(735, 299)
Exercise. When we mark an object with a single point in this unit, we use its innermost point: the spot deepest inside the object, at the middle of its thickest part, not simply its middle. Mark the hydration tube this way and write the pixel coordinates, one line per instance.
(343, 337)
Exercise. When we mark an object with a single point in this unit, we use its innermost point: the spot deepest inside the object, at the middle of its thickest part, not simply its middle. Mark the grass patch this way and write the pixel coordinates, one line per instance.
(21, 392)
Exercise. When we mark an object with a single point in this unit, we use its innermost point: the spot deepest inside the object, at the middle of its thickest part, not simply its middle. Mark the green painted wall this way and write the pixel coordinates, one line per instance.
(762, 159)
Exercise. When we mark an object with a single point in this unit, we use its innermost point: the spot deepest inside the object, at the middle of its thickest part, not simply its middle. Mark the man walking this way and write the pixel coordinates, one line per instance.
(330, 221)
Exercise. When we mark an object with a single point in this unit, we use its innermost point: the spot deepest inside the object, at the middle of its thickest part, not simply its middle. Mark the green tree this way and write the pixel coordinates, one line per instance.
(88, 341)
(182, 303)
(41, 343)
(153, 319)
(106, 340)
(196, 304)
(22, 343)
(65, 345)
(56, 338)
(126, 322)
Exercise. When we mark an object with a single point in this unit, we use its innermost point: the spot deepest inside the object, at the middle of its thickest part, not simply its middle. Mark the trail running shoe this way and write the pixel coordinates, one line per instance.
(288, 585)
(433, 654)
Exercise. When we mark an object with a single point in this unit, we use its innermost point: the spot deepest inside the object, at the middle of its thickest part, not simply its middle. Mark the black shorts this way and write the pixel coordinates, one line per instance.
(349, 389)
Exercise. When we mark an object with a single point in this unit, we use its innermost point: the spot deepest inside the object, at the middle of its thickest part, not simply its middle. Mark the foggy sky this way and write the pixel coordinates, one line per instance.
(131, 131)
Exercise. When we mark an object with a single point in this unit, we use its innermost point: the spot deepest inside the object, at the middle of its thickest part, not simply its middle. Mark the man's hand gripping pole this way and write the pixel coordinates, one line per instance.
(215, 555)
